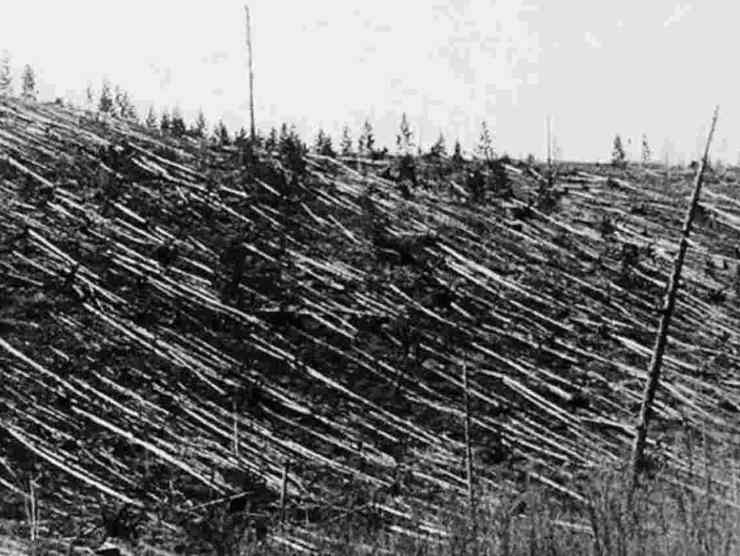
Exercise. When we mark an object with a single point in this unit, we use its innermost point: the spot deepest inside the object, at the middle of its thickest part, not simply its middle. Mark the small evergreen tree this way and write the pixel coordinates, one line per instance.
(404, 140)
(105, 102)
(221, 134)
(28, 83)
(165, 123)
(6, 80)
(319, 141)
(323, 144)
(284, 138)
(177, 124)
(119, 102)
(366, 142)
(198, 129)
(498, 179)
(292, 149)
(476, 182)
(151, 119)
(346, 144)
(131, 112)
(242, 137)
(271, 143)
(123, 107)
(619, 157)
(439, 149)
(89, 97)
(457, 156)
(646, 153)
(485, 143)
(246, 145)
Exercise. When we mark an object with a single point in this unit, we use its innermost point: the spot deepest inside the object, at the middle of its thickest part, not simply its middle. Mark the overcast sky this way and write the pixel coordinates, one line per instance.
(599, 67)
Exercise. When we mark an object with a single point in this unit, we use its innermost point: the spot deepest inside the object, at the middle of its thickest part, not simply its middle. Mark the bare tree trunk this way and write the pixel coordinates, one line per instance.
(468, 449)
(252, 130)
(549, 141)
(549, 153)
(235, 416)
(284, 492)
(661, 340)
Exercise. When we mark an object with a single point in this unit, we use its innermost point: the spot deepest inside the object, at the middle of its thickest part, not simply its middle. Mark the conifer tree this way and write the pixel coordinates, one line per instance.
(404, 140)
(177, 124)
(131, 112)
(485, 143)
(284, 137)
(439, 149)
(324, 145)
(366, 142)
(320, 138)
(271, 143)
(124, 107)
(221, 133)
(618, 155)
(165, 123)
(242, 137)
(119, 102)
(105, 103)
(646, 153)
(28, 83)
(200, 126)
(151, 119)
(346, 144)
(6, 80)
(89, 97)
(292, 149)
(457, 156)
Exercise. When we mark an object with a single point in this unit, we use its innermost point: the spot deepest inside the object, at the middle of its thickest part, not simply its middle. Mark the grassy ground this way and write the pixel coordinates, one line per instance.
(696, 515)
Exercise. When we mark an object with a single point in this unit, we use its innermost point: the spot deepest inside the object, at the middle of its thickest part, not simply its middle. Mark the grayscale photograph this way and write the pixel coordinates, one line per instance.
(344, 277)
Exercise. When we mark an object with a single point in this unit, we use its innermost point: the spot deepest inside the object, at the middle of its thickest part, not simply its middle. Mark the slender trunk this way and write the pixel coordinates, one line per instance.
(549, 151)
(252, 131)
(284, 492)
(661, 340)
(468, 449)
(235, 416)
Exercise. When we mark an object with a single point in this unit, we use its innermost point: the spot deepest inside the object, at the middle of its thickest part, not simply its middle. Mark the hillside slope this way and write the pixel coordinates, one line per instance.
(159, 297)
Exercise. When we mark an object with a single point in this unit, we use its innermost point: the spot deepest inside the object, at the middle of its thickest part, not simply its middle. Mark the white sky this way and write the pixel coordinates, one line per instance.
(598, 67)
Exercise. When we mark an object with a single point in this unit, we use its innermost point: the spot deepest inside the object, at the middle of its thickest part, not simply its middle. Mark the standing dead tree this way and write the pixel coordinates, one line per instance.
(252, 131)
(661, 340)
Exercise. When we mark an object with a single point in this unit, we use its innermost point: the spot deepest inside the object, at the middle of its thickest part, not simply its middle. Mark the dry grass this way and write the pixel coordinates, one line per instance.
(665, 518)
